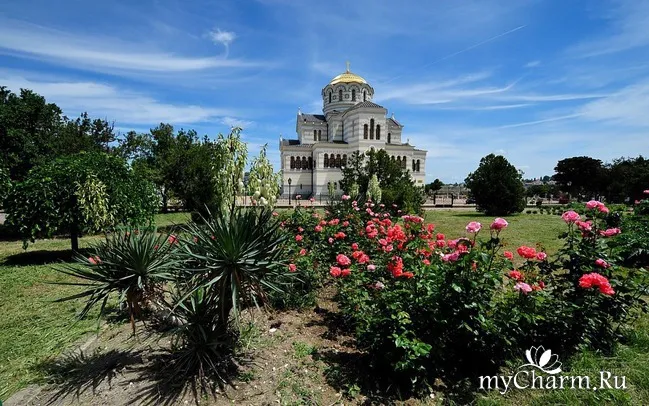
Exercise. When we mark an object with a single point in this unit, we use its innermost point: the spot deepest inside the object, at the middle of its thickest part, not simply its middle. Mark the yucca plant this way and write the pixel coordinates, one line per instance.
(238, 256)
(132, 265)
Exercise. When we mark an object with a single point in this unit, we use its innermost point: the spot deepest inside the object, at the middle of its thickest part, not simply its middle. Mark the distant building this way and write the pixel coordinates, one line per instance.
(350, 122)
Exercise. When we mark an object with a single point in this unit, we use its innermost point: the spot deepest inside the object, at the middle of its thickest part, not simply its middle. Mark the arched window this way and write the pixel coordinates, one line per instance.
(292, 162)
(389, 137)
(319, 135)
(353, 94)
(305, 164)
(364, 96)
(310, 162)
(372, 129)
(365, 131)
(413, 165)
(338, 161)
(418, 165)
(378, 132)
(340, 95)
(392, 157)
(330, 96)
(399, 161)
(345, 160)
(326, 160)
(315, 135)
(403, 163)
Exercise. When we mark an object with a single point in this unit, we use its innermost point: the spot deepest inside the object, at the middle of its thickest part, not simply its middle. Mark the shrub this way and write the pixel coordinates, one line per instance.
(132, 265)
(426, 308)
(237, 256)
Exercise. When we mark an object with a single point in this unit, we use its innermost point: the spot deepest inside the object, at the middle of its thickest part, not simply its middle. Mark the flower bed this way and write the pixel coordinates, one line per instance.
(427, 307)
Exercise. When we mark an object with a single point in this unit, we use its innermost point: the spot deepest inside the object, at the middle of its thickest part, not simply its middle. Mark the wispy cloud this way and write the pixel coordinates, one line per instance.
(108, 54)
(116, 104)
(628, 21)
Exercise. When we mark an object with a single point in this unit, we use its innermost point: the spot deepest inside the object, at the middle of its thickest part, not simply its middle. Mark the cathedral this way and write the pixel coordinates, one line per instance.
(350, 122)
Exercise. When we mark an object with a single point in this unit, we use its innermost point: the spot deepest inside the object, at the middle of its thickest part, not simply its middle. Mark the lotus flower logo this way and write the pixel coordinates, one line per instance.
(543, 360)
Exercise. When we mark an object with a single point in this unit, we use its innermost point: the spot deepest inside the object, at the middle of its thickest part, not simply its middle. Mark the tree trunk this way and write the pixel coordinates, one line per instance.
(74, 235)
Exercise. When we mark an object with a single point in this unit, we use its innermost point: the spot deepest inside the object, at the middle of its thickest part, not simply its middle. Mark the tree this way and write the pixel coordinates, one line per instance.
(581, 177)
(433, 186)
(397, 187)
(33, 131)
(78, 194)
(627, 179)
(496, 186)
(5, 184)
(28, 124)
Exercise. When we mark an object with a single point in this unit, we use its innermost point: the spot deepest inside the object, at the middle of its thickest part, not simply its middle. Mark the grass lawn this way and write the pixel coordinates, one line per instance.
(33, 329)
(534, 230)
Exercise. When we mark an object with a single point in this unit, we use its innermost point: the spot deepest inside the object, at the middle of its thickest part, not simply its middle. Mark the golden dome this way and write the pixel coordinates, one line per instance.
(347, 77)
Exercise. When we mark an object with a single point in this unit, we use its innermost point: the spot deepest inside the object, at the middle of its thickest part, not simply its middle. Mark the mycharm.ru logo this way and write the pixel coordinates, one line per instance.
(543, 371)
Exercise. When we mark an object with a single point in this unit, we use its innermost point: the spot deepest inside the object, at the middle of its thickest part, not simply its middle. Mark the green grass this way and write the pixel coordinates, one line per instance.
(32, 327)
(630, 360)
(534, 230)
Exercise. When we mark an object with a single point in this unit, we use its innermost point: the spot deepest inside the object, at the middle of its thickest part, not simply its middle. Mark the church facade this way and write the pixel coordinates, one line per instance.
(350, 122)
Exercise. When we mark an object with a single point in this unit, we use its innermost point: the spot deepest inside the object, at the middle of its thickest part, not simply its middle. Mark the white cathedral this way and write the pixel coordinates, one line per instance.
(351, 122)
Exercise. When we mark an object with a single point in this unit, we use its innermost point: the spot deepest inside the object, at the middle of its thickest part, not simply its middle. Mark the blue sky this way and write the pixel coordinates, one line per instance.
(534, 80)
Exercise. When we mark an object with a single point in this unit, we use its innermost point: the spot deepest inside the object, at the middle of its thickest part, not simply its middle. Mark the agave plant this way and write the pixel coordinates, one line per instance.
(133, 265)
(238, 256)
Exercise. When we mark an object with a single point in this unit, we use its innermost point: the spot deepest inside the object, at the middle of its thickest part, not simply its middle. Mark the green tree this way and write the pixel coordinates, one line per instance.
(33, 131)
(78, 194)
(581, 177)
(628, 178)
(28, 126)
(397, 187)
(5, 184)
(496, 186)
(433, 186)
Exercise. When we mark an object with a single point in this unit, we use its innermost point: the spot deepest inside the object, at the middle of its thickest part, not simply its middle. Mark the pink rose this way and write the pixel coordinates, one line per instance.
(331, 240)
(646, 192)
(298, 238)
(601, 263)
(371, 267)
(335, 271)
(345, 197)
(354, 246)
(292, 267)
(303, 251)
(275, 214)
(509, 255)
(541, 256)
(473, 227)
(592, 204)
(611, 232)
(345, 272)
(498, 224)
(570, 216)
(343, 260)
(318, 228)
(523, 287)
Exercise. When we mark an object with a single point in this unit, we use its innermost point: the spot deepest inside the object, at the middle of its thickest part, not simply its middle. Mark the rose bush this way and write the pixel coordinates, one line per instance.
(424, 306)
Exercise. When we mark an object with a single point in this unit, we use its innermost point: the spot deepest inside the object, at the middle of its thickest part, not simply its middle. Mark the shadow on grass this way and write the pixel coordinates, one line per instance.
(74, 373)
(41, 257)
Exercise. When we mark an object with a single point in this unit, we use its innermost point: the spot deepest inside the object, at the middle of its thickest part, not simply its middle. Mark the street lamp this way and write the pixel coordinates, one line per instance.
(289, 190)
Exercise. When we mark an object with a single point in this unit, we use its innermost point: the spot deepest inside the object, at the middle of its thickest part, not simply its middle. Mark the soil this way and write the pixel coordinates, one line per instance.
(294, 358)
